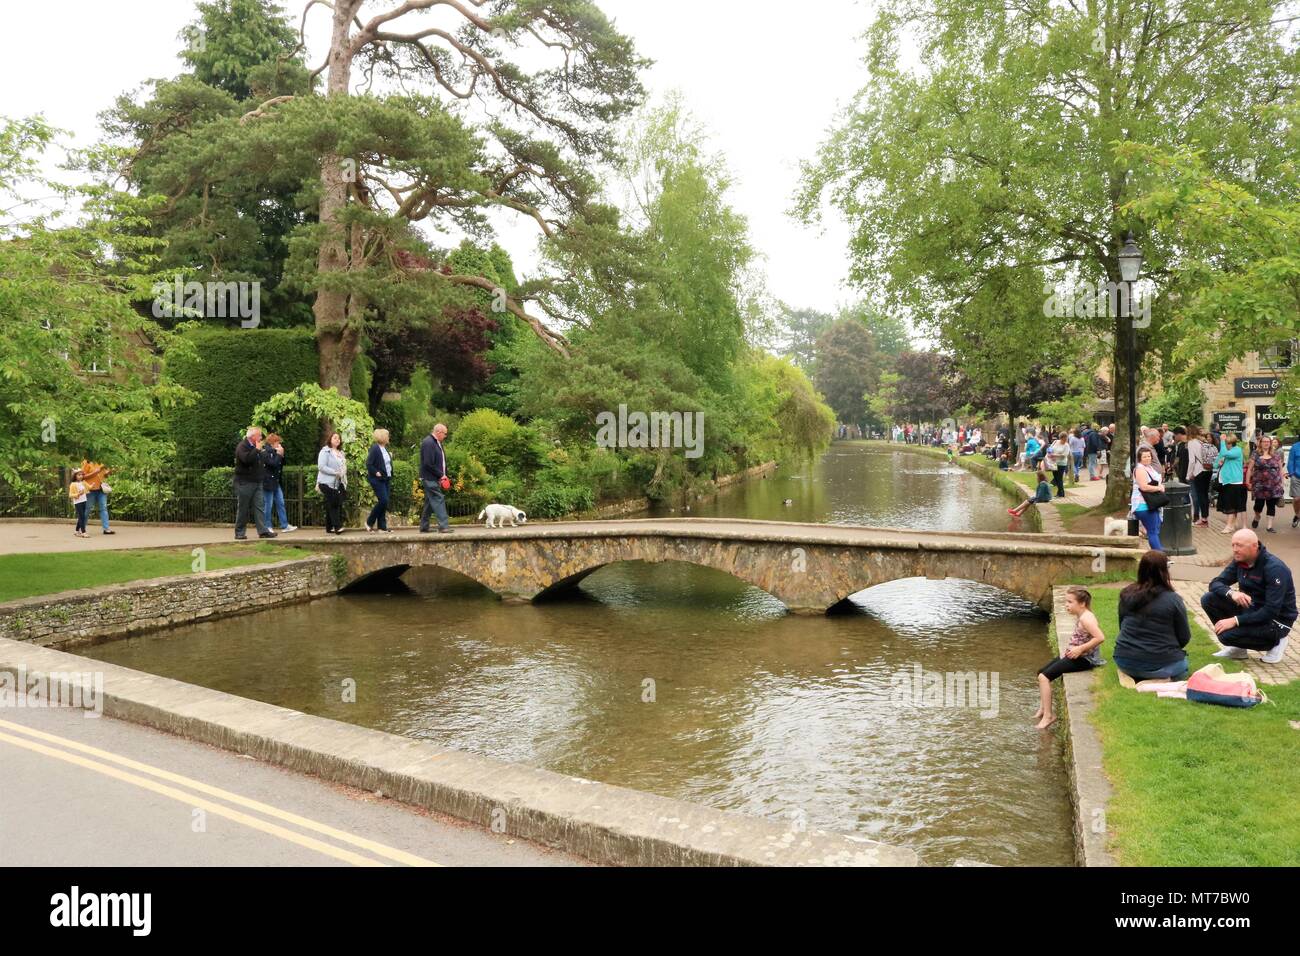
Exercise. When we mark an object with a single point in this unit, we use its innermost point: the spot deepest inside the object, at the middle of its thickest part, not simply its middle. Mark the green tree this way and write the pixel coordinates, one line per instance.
(1006, 144)
(848, 368)
(77, 362)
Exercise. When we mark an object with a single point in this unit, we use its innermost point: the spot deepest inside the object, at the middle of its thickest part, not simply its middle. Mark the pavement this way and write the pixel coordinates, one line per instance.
(96, 791)
(31, 537)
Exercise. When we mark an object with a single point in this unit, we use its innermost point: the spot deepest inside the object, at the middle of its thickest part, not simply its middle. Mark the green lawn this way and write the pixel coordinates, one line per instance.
(24, 575)
(1196, 784)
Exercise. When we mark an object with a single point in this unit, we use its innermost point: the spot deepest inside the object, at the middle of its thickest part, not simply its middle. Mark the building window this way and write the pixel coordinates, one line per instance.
(1279, 357)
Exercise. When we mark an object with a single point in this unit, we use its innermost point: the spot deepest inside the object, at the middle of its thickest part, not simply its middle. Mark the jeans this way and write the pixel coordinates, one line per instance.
(1255, 637)
(379, 513)
(97, 499)
(1140, 671)
(249, 497)
(1078, 464)
(1201, 496)
(81, 515)
(1058, 478)
(1151, 520)
(434, 504)
(1092, 465)
(275, 506)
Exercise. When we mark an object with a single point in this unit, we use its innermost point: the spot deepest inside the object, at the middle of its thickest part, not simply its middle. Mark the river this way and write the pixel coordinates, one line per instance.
(686, 682)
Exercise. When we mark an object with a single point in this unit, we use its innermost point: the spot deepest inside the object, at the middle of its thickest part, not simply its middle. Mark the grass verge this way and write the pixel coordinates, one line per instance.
(27, 575)
(1196, 784)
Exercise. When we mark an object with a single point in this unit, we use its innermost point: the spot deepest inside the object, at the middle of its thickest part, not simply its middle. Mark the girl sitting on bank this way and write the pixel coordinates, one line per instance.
(1041, 495)
(1082, 654)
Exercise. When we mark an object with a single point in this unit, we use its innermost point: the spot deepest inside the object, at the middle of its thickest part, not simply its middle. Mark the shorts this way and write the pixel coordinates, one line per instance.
(1295, 486)
(1103, 457)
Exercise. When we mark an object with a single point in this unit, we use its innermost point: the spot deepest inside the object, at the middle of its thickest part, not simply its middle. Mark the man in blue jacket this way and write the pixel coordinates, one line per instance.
(433, 468)
(1293, 469)
(1259, 614)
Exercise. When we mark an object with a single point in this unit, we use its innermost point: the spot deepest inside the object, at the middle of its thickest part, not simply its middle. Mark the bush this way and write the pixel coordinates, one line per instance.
(551, 499)
(501, 444)
(232, 371)
(392, 415)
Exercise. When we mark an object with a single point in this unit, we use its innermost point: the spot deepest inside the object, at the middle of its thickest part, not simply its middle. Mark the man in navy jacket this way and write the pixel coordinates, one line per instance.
(1259, 614)
(433, 468)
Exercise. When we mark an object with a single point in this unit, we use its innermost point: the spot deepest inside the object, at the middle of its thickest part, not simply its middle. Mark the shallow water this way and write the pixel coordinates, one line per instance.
(684, 681)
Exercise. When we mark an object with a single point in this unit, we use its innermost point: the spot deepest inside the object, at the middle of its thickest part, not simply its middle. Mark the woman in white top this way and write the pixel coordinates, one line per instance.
(1061, 457)
(1200, 466)
(332, 480)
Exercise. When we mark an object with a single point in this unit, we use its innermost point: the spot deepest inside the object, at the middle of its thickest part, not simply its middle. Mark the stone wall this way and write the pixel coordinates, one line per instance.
(98, 614)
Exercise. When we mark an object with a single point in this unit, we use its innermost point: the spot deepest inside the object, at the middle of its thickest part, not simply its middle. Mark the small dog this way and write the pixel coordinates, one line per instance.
(1115, 527)
(498, 515)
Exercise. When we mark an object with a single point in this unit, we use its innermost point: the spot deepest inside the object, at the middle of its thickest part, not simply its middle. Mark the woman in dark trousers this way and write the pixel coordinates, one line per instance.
(379, 472)
(272, 490)
(332, 480)
(1153, 626)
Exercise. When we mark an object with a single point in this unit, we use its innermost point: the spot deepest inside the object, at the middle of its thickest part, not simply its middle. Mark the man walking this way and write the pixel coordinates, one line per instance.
(1259, 614)
(433, 469)
(250, 473)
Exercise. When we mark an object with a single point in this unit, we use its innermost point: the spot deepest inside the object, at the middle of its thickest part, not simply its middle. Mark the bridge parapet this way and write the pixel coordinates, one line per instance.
(810, 568)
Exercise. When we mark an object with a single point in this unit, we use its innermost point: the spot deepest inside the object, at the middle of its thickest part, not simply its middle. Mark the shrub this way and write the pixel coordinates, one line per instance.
(392, 415)
(551, 499)
(232, 371)
(499, 443)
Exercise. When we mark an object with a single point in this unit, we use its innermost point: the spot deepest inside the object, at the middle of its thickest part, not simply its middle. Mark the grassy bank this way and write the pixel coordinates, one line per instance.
(1196, 784)
(26, 575)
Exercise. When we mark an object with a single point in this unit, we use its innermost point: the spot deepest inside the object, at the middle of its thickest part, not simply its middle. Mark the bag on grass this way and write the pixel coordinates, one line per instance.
(1210, 685)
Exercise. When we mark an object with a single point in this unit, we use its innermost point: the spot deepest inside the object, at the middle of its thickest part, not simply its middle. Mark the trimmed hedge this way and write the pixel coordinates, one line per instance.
(233, 371)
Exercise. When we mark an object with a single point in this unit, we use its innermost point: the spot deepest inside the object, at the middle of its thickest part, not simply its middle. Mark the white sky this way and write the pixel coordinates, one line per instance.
(766, 87)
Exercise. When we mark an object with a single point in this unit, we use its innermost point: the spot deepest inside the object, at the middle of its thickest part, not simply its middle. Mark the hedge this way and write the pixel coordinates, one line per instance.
(233, 371)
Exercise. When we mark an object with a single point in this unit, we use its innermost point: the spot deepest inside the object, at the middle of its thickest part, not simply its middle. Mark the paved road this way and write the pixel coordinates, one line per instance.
(81, 791)
(30, 537)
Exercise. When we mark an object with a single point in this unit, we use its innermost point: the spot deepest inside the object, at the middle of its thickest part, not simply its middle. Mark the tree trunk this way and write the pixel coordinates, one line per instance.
(336, 341)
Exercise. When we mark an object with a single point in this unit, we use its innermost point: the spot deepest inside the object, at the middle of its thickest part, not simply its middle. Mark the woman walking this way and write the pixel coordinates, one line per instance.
(97, 489)
(1147, 480)
(1264, 478)
(1232, 483)
(1200, 466)
(379, 472)
(273, 483)
(332, 480)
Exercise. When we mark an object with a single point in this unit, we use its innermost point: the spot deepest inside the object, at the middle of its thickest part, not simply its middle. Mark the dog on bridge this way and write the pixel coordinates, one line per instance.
(498, 515)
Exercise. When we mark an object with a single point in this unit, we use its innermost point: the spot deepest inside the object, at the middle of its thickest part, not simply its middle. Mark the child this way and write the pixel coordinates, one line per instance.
(1083, 652)
(77, 492)
(1042, 494)
(949, 450)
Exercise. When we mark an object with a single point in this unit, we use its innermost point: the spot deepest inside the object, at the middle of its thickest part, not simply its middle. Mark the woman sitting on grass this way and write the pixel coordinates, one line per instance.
(1153, 626)
(1082, 654)
(1041, 495)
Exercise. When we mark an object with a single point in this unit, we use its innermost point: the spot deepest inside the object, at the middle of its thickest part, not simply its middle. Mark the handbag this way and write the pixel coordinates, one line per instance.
(444, 483)
(1155, 499)
(106, 488)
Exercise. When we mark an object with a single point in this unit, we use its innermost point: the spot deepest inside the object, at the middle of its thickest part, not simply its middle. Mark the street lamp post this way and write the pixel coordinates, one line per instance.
(1130, 265)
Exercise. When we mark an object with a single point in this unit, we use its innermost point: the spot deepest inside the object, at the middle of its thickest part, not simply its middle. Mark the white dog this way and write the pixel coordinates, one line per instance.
(498, 515)
(1115, 527)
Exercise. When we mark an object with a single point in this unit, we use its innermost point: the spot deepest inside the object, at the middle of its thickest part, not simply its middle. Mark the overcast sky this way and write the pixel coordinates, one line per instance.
(764, 85)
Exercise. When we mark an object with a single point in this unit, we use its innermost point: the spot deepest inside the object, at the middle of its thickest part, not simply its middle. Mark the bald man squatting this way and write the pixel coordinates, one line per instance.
(1258, 615)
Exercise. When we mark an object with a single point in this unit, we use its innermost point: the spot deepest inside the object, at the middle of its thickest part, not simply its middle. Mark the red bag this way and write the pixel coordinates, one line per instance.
(445, 483)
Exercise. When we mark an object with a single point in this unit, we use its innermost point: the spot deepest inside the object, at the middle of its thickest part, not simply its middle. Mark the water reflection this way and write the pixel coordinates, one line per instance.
(683, 681)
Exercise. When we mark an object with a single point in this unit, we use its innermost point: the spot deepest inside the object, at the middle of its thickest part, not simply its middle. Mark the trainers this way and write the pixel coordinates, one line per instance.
(1233, 653)
(267, 534)
(1295, 522)
(287, 528)
(1275, 655)
(1255, 523)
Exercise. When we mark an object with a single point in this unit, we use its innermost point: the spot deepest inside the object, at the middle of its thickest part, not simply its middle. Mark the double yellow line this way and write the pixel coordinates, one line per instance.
(71, 752)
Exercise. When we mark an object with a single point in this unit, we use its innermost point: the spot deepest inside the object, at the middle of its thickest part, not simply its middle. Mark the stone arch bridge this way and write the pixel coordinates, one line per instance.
(809, 567)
